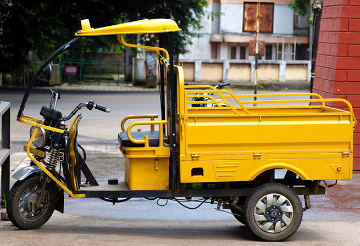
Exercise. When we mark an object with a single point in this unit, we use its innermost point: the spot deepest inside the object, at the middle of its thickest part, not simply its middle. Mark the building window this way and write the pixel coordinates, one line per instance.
(214, 50)
(279, 52)
(242, 52)
(233, 52)
(268, 52)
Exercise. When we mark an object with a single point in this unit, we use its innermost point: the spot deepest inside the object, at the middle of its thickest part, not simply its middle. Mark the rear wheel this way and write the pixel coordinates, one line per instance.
(273, 212)
(21, 206)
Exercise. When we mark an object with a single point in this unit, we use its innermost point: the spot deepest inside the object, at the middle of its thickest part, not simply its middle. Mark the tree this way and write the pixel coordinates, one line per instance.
(42, 26)
(300, 6)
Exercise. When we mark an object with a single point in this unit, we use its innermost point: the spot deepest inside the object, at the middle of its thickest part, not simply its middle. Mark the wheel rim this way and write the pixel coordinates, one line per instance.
(27, 209)
(273, 213)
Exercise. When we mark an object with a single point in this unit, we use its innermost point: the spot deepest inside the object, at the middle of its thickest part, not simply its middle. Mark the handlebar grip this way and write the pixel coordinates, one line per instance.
(101, 108)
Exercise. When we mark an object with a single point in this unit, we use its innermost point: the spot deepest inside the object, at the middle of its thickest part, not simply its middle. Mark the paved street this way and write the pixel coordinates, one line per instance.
(333, 220)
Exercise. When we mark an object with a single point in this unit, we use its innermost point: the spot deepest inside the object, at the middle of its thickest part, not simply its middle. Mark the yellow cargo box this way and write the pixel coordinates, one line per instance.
(144, 170)
(235, 138)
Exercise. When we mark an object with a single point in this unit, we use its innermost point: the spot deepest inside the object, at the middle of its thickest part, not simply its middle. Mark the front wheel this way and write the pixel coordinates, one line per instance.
(273, 212)
(21, 206)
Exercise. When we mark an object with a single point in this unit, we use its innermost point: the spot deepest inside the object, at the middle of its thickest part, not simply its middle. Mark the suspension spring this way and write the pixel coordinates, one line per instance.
(54, 159)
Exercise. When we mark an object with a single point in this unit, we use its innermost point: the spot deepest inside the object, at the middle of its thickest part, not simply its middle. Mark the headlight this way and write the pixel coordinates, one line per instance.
(40, 138)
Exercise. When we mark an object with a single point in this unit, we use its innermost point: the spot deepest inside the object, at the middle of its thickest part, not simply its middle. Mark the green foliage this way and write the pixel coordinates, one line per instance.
(3, 201)
(300, 6)
(311, 21)
(42, 26)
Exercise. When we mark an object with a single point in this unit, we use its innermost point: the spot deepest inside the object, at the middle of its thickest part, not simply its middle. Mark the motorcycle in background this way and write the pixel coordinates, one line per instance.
(202, 97)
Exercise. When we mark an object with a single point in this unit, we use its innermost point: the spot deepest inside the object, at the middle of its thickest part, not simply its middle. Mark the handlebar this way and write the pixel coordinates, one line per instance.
(90, 105)
(221, 86)
(55, 96)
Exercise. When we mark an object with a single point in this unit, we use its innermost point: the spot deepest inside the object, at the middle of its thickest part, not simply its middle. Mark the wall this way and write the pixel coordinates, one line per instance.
(337, 71)
(240, 72)
(229, 27)
(244, 70)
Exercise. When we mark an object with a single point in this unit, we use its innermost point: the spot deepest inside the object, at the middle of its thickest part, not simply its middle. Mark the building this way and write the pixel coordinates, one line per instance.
(222, 51)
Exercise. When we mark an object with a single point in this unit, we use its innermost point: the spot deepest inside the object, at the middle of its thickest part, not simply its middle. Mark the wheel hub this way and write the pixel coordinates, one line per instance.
(30, 203)
(273, 213)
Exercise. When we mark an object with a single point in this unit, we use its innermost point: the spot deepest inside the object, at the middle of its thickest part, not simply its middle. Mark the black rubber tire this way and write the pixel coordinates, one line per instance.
(20, 195)
(238, 215)
(287, 226)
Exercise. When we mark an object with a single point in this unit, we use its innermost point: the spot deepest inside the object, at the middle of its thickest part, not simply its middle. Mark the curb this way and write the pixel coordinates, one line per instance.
(4, 215)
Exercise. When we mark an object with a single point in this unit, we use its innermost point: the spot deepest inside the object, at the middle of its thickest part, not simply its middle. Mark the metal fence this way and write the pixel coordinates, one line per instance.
(82, 71)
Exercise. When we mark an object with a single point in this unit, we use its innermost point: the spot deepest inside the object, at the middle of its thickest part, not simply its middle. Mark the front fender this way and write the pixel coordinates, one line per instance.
(25, 172)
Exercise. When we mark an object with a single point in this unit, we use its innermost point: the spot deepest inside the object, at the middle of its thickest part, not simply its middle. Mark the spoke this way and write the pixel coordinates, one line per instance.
(288, 209)
(267, 226)
(278, 227)
(269, 200)
(261, 206)
(280, 201)
(259, 217)
(286, 219)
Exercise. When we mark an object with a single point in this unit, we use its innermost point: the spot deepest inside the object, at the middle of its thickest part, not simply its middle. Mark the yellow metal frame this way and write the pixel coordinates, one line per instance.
(152, 123)
(151, 116)
(156, 49)
(33, 122)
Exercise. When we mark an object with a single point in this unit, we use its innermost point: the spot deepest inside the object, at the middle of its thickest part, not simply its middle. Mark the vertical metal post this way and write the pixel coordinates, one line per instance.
(162, 81)
(5, 131)
(257, 49)
(173, 154)
(5, 144)
(317, 17)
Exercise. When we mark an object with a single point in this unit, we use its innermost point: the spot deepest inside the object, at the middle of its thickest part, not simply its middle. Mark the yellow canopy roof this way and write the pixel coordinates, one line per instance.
(142, 26)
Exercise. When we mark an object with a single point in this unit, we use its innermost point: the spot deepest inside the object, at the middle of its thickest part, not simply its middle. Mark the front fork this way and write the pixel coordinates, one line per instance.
(45, 183)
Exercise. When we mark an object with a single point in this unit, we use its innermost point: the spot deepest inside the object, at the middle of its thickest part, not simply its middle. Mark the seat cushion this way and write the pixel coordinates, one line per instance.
(153, 139)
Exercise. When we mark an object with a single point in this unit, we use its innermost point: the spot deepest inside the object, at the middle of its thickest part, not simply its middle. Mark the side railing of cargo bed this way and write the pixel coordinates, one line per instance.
(235, 106)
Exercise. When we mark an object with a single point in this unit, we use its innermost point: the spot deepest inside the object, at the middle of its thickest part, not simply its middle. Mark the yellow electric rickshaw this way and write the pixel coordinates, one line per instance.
(221, 147)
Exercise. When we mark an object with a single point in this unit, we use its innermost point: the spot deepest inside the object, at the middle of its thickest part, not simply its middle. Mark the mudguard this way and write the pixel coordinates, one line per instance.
(25, 172)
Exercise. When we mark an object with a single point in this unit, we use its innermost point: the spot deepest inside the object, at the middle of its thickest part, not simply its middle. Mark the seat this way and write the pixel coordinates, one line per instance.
(153, 139)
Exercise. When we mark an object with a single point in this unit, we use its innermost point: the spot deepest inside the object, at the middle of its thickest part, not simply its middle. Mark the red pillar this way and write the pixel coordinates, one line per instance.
(337, 71)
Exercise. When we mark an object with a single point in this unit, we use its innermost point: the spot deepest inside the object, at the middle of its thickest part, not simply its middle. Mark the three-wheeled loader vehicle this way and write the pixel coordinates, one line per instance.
(227, 153)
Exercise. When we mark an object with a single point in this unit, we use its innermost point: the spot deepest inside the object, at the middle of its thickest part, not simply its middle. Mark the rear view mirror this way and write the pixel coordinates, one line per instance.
(47, 72)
